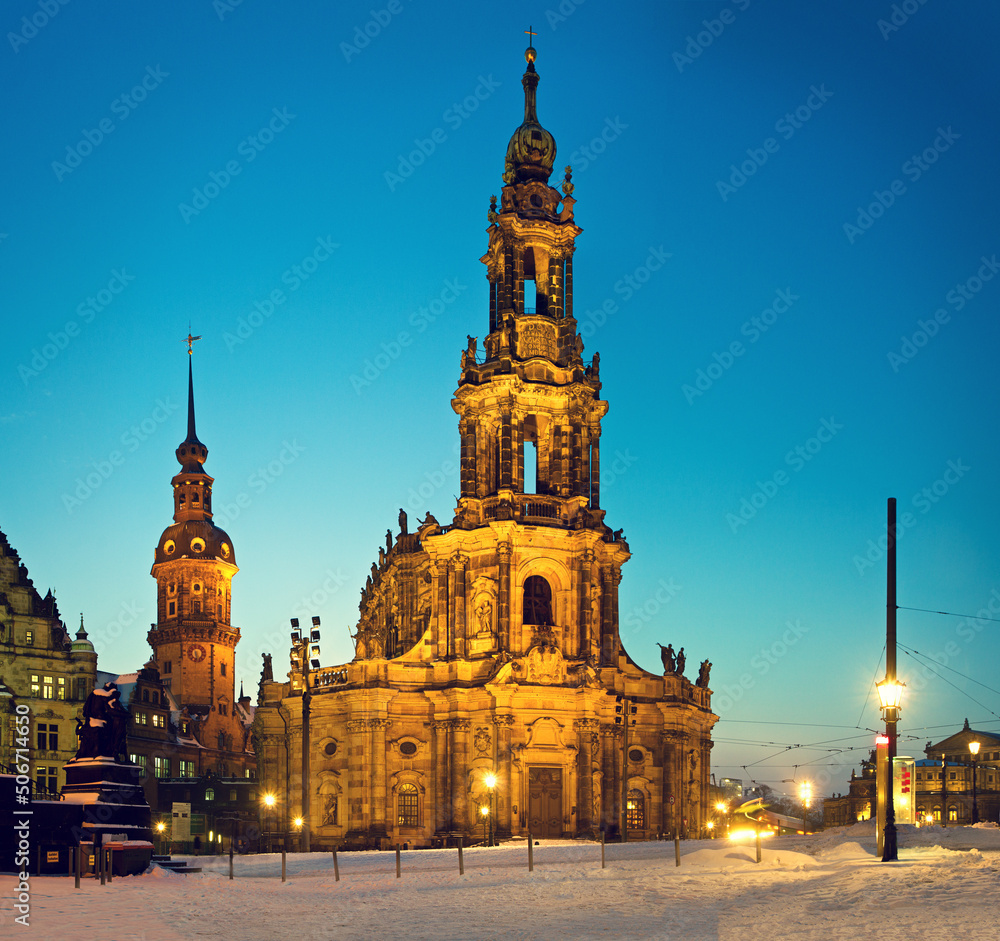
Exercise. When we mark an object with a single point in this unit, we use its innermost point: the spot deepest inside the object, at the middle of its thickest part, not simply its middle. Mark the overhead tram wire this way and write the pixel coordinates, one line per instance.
(868, 695)
(952, 669)
(949, 682)
(950, 614)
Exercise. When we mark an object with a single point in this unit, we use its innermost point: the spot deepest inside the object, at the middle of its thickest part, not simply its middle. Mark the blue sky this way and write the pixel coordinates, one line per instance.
(787, 266)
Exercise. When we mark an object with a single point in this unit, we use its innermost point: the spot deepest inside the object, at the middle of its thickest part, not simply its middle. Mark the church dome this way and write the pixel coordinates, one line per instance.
(195, 539)
(531, 153)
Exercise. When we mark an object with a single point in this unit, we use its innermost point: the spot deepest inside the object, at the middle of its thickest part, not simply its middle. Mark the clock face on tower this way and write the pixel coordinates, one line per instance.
(196, 653)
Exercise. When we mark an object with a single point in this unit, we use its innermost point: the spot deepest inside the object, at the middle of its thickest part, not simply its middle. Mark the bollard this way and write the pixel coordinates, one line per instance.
(397, 860)
(283, 851)
(108, 866)
(38, 861)
(602, 850)
(531, 854)
(677, 849)
(758, 843)
(79, 866)
(232, 840)
(99, 860)
(461, 862)
(336, 868)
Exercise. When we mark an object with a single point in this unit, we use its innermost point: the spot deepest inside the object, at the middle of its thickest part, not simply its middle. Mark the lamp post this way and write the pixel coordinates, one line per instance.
(491, 783)
(944, 791)
(805, 795)
(484, 812)
(305, 652)
(269, 801)
(160, 828)
(974, 750)
(723, 808)
(889, 693)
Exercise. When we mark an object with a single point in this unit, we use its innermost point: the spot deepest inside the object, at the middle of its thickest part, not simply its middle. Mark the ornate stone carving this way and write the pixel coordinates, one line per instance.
(482, 740)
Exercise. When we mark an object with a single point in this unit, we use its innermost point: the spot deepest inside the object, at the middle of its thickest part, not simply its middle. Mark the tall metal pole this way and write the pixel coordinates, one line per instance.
(944, 791)
(625, 774)
(975, 805)
(306, 702)
(889, 849)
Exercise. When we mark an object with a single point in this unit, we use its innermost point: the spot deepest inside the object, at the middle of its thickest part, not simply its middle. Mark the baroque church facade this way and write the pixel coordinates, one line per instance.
(489, 670)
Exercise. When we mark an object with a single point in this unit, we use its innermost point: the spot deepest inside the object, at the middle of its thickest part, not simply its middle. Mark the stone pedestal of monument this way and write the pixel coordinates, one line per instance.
(110, 797)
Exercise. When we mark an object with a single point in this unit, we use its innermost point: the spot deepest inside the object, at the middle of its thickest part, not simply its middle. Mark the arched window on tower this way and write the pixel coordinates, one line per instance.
(636, 807)
(407, 806)
(537, 601)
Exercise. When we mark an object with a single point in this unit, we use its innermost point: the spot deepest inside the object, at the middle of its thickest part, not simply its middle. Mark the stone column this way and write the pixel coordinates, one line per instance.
(616, 641)
(607, 646)
(576, 481)
(519, 279)
(380, 785)
(505, 627)
(555, 288)
(435, 624)
(359, 780)
(467, 430)
(611, 777)
(442, 778)
(504, 799)
(506, 449)
(568, 291)
(459, 563)
(508, 275)
(493, 306)
(459, 775)
(586, 730)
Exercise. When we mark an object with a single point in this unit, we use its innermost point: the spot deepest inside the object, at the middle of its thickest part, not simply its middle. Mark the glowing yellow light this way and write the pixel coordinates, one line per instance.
(160, 827)
(890, 693)
(269, 800)
(491, 780)
(721, 807)
(748, 834)
(974, 748)
(298, 821)
(484, 810)
(710, 824)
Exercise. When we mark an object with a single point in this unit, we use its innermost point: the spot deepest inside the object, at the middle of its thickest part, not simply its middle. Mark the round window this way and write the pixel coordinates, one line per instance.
(225, 550)
(408, 748)
(635, 755)
(330, 749)
(197, 545)
(536, 200)
(168, 547)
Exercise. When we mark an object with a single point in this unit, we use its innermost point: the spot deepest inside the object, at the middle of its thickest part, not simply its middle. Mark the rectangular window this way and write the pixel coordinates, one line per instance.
(172, 607)
(36, 686)
(47, 778)
(80, 687)
(167, 666)
(140, 718)
(159, 721)
(222, 668)
(161, 767)
(233, 796)
(60, 687)
(951, 776)
(29, 638)
(407, 806)
(48, 688)
(187, 769)
(139, 760)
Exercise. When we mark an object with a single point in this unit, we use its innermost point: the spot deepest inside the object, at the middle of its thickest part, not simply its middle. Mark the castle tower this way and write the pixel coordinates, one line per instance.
(193, 641)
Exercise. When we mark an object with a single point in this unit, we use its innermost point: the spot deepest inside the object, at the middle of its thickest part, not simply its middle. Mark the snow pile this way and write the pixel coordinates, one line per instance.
(821, 887)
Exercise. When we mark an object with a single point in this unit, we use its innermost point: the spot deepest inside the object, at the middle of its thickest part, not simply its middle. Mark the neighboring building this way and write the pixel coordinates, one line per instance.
(43, 668)
(856, 805)
(491, 644)
(950, 798)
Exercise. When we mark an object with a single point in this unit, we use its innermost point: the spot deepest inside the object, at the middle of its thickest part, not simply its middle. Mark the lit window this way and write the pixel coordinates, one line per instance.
(48, 688)
(140, 718)
(35, 685)
(29, 638)
(952, 813)
(636, 806)
(61, 687)
(406, 800)
(233, 796)
(161, 767)
(209, 794)
(159, 721)
(187, 769)
(139, 760)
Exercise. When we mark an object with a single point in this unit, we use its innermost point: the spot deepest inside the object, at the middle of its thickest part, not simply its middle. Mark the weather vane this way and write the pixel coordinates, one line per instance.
(189, 340)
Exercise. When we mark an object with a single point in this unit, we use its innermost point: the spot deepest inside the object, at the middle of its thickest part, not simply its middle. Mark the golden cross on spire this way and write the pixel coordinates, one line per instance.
(529, 34)
(189, 340)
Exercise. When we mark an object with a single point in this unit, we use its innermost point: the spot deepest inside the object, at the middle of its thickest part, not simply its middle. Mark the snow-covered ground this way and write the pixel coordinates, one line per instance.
(825, 886)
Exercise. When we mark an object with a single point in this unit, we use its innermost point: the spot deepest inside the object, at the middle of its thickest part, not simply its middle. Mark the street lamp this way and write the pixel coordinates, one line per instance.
(269, 800)
(805, 795)
(974, 749)
(305, 655)
(491, 782)
(890, 692)
(160, 829)
(484, 812)
(710, 826)
(723, 808)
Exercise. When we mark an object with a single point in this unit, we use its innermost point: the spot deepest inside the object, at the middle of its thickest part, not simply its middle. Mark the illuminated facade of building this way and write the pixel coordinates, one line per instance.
(41, 667)
(490, 645)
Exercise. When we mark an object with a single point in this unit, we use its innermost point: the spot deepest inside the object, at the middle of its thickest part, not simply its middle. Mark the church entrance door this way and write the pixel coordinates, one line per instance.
(545, 802)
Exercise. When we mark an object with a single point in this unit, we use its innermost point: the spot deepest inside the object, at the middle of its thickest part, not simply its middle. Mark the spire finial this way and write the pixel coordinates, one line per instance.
(189, 340)
(192, 453)
(529, 53)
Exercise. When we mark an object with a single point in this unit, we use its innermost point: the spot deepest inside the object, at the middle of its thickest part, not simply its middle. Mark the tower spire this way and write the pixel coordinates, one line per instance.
(192, 453)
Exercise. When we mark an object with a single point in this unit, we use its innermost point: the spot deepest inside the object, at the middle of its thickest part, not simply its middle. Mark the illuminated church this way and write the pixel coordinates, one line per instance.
(489, 672)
